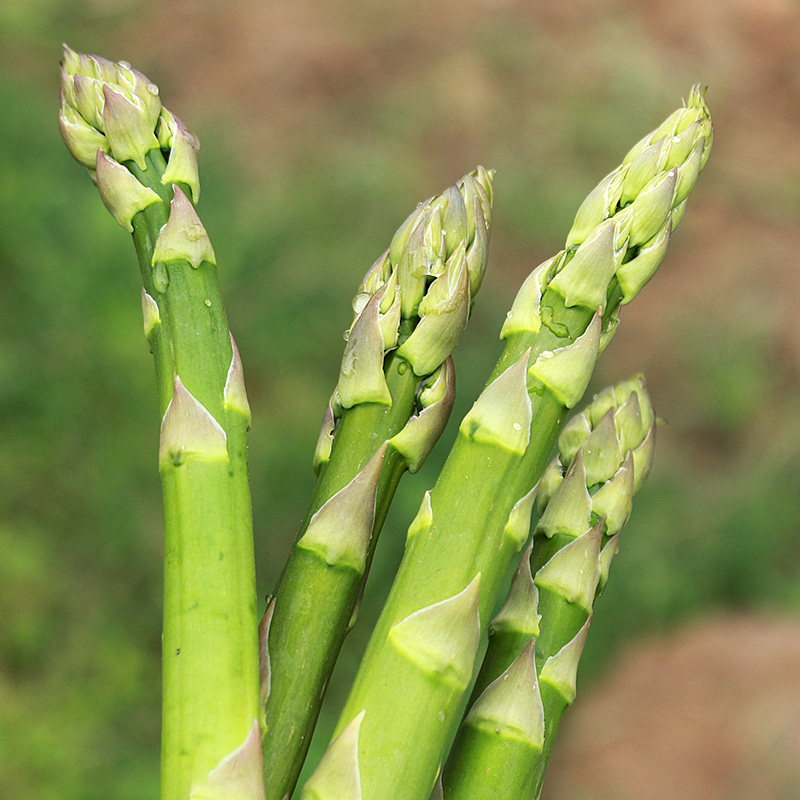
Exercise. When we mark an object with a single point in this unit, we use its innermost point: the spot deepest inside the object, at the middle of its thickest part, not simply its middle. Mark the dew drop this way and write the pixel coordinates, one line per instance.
(208, 302)
(153, 89)
(517, 426)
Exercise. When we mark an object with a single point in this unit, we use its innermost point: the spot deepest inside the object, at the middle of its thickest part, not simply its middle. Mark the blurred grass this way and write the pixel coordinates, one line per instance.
(322, 125)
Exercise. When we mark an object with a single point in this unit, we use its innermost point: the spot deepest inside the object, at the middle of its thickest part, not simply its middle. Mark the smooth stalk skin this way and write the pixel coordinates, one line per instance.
(394, 396)
(583, 501)
(410, 691)
(143, 161)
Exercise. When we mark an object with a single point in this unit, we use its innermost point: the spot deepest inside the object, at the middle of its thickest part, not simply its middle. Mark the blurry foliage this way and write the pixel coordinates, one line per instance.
(295, 228)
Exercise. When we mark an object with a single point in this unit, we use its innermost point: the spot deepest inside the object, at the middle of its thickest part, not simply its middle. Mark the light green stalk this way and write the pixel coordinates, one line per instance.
(143, 161)
(413, 678)
(528, 675)
(394, 396)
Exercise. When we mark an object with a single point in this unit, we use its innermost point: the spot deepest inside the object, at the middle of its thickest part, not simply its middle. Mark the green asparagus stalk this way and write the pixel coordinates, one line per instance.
(419, 661)
(392, 402)
(528, 674)
(144, 163)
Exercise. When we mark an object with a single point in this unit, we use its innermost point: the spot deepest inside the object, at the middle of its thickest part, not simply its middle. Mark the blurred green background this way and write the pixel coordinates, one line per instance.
(322, 123)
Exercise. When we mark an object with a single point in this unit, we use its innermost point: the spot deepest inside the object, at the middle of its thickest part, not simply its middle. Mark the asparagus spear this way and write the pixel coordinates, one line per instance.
(528, 674)
(144, 163)
(419, 661)
(391, 404)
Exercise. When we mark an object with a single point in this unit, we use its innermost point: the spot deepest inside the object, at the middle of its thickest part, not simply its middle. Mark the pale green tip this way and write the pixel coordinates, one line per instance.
(568, 512)
(585, 278)
(598, 206)
(361, 378)
(327, 430)
(502, 414)
(412, 268)
(183, 238)
(606, 557)
(478, 250)
(566, 371)
(150, 314)
(577, 430)
(633, 275)
(341, 529)
(643, 459)
(455, 226)
(551, 479)
(234, 395)
(651, 209)
(423, 521)
(120, 192)
(526, 315)
(419, 435)
(444, 312)
(602, 452)
(189, 432)
(130, 133)
(614, 500)
(239, 776)
(574, 571)
(518, 527)
(520, 612)
(82, 140)
(182, 164)
(264, 660)
(561, 670)
(443, 638)
(511, 706)
(338, 776)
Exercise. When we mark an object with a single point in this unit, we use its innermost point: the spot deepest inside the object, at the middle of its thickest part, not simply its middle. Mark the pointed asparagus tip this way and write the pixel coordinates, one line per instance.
(234, 395)
(566, 371)
(341, 529)
(520, 612)
(240, 774)
(183, 238)
(189, 432)
(420, 434)
(120, 192)
(338, 776)
(443, 638)
(502, 414)
(511, 705)
(561, 670)
(568, 512)
(574, 571)
(264, 662)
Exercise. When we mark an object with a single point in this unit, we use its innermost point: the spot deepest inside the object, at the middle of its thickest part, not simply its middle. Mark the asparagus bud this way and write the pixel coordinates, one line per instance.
(144, 163)
(396, 384)
(565, 313)
(548, 612)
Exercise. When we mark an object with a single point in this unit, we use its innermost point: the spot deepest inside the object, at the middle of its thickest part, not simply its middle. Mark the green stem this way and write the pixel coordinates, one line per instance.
(315, 599)
(210, 649)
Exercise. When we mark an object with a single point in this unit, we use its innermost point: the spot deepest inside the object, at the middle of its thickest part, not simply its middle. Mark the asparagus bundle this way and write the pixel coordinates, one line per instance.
(391, 743)
(528, 674)
(392, 402)
(144, 163)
